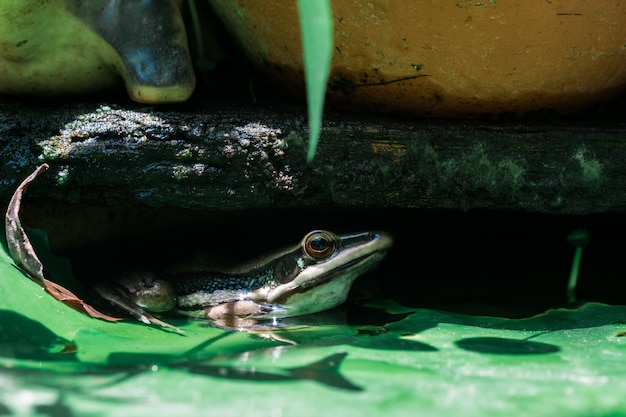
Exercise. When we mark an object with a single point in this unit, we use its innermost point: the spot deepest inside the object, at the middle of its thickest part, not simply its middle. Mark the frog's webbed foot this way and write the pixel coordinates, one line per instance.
(119, 300)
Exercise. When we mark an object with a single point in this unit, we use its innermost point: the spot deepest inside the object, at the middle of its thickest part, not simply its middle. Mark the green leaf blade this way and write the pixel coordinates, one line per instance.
(317, 41)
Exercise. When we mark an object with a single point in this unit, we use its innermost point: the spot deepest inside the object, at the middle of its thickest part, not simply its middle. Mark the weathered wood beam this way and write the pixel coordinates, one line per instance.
(252, 158)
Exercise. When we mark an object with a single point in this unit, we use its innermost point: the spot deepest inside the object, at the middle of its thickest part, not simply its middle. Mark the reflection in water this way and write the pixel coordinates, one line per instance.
(57, 409)
(324, 371)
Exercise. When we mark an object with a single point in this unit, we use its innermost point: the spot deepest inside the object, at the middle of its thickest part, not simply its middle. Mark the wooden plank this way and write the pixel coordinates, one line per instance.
(253, 158)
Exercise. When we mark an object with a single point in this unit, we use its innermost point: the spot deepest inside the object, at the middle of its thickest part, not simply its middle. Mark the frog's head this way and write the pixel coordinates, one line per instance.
(318, 274)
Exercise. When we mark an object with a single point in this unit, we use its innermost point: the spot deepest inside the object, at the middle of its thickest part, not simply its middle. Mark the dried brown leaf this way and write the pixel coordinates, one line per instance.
(23, 254)
(19, 245)
(67, 297)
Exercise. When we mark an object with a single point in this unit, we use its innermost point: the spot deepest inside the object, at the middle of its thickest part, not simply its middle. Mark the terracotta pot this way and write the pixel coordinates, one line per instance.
(448, 58)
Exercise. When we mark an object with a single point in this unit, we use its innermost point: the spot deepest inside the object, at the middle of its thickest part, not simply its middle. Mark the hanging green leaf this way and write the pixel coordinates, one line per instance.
(317, 41)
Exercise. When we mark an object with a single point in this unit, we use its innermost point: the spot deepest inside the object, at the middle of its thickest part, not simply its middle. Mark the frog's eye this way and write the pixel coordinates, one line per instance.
(319, 245)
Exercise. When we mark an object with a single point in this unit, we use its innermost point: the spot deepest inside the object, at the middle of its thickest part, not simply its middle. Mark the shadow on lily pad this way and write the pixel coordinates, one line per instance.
(23, 338)
(390, 342)
(505, 346)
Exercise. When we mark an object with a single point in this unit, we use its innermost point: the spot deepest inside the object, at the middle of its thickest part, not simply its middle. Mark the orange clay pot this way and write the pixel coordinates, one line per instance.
(448, 58)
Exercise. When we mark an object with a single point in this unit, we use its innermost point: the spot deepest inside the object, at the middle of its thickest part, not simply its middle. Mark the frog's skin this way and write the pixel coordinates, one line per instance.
(313, 276)
(67, 47)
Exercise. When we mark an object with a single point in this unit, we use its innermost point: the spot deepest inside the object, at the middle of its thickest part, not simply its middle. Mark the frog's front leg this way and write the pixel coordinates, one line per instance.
(138, 293)
(147, 291)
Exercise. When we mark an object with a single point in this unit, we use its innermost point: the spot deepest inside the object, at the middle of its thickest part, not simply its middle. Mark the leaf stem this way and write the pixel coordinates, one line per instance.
(578, 238)
(573, 276)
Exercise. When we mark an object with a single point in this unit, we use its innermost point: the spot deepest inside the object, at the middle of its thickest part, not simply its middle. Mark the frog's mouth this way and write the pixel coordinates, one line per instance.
(326, 290)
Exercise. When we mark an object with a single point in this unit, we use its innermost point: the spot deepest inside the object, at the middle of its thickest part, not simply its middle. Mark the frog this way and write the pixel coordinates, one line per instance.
(309, 277)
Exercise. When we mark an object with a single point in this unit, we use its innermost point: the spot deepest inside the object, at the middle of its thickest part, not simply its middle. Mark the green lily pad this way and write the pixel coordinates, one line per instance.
(57, 361)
